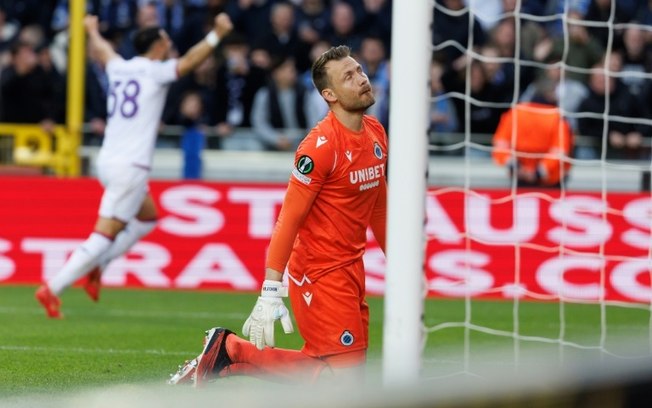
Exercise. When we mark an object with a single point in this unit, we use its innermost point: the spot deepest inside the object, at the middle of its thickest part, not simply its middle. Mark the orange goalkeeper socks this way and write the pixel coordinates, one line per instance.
(280, 364)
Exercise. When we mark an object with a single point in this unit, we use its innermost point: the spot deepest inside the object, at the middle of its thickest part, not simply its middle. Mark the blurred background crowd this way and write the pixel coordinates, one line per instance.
(255, 93)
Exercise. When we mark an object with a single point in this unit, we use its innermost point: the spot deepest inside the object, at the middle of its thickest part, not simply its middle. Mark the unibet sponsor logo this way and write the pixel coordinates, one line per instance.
(368, 177)
(346, 338)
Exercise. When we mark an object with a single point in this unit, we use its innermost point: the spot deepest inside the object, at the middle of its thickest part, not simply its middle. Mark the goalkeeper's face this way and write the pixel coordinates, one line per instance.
(349, 85)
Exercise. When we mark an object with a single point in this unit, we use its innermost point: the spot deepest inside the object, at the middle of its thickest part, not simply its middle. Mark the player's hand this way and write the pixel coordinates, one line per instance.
(91, 23)
(222, 25)
(269, 307)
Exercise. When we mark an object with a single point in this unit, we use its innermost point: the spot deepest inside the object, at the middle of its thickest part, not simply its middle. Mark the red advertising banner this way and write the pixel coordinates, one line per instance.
(215, 235)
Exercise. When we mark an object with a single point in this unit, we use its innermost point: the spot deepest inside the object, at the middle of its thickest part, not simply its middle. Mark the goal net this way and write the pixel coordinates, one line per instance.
(520, 269)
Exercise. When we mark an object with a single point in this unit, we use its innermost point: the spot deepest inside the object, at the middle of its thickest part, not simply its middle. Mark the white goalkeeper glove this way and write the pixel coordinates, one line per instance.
(269, 307)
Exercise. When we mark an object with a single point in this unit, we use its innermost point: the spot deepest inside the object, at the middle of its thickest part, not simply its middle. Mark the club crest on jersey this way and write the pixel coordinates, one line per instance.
(303, 167)
(378, 152)
(347, 338)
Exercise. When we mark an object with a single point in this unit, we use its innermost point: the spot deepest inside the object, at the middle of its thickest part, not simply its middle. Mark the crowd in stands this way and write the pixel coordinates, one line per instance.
(593, 69)
(256, 92)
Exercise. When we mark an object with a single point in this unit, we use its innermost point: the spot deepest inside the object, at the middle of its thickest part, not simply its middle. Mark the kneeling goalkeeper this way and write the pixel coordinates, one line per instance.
(337, 189)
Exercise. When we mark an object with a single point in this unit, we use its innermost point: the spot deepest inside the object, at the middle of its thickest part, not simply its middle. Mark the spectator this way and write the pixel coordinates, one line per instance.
(377, 21)
(317, 108)
(281, 39)
(28, 87)
(499, 74)
(534, 141)
(374, 62)
(644, 15)
(503, 38)
(600, 11)
(171, 16)
(624, 138)
(455, 27)
(313, 19)
(147, 16)
(31, 12)
(582, 51)
(56, 81)
(555, 27)
(488, 12)
(96, 88)
(32, 34)
(342, 27)
(249, 16)
(117, 17)
(569, 93)
(637, 59)
(237, 82)
(201, 81)
(192, 139)
(484, 117)
(8, 31)
(443, 118)
(279, 111)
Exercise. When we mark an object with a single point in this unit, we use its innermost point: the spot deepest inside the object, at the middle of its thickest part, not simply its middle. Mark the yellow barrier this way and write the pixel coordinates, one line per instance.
(35, 147)
(58, 152)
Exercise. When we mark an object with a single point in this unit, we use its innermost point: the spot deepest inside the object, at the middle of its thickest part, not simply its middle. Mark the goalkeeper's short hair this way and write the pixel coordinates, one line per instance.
(319, 74)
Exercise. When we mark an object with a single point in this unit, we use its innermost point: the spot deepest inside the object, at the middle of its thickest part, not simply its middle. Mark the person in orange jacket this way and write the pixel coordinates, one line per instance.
(535, 141)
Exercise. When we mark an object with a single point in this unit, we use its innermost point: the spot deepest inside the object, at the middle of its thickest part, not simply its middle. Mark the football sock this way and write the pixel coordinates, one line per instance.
(279, 363)
(132, 232)
(82, 261)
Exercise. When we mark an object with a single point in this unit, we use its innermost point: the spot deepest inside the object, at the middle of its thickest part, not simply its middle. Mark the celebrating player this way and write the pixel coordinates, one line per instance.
(137, 92)
(337, 189)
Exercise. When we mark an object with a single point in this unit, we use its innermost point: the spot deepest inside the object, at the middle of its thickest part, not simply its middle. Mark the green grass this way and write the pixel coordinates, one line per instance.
(136, 336)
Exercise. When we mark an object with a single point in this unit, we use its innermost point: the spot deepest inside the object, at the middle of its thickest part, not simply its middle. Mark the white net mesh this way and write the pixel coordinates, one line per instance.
(571, 265)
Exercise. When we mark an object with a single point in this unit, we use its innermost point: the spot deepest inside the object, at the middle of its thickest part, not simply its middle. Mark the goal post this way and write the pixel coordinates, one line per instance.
(407, 178)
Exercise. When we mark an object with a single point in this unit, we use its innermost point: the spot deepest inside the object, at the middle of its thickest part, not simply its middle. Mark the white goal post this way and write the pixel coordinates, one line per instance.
(408, 152)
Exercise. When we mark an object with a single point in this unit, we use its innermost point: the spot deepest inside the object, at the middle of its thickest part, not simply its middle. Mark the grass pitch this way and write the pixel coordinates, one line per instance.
(140, 336)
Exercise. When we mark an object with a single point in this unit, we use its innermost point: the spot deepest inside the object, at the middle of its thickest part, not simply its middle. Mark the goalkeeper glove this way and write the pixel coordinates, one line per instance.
(269, 307)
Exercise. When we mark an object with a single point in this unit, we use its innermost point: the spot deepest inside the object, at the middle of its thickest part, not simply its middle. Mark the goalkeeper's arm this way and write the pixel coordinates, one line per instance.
(269, 307)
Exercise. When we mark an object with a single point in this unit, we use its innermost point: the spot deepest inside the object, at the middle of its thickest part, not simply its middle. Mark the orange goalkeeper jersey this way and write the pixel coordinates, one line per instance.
(541, 133)
(337, 189)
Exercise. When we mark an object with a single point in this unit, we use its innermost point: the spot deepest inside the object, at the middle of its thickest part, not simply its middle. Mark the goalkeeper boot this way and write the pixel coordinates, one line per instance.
(50, 302)
(185, 373)
(93, 284)
(214, 357)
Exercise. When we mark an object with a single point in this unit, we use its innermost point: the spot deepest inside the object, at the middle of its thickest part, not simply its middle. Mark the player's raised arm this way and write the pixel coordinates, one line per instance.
(100, 49)
(200, 51)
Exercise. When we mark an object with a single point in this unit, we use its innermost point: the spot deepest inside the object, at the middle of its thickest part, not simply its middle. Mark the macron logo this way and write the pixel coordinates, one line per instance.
(307, 296)
(348, 155)
(321, 140)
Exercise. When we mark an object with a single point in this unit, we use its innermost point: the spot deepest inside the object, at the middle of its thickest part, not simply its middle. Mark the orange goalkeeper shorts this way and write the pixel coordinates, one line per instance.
(332, 314)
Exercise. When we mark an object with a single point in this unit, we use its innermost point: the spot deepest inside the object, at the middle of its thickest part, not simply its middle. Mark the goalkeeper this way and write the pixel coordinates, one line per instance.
(337, 189)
